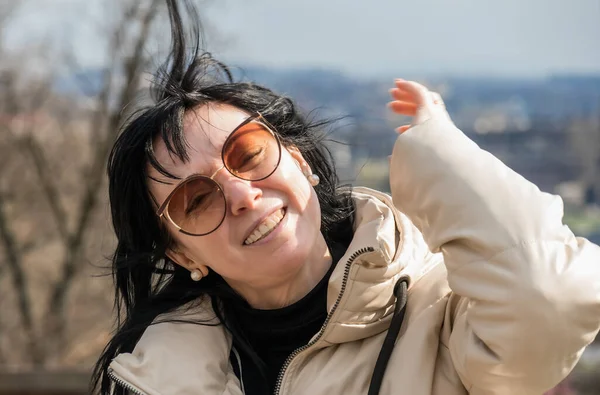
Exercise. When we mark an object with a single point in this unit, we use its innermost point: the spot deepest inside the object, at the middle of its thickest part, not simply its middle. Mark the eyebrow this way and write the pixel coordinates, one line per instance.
(164, 182)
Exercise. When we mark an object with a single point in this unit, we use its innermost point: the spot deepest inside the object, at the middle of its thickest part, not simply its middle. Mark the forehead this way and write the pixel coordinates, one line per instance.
(205, 128)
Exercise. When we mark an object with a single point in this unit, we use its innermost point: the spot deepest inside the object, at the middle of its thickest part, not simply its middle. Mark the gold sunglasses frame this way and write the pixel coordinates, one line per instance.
(163, 210)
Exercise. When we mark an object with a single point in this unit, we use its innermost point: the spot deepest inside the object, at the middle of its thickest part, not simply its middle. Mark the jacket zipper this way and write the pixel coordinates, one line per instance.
(119, 381)
(296, 352)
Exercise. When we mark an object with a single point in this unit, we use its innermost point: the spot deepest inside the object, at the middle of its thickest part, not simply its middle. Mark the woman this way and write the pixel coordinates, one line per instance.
(242, 268)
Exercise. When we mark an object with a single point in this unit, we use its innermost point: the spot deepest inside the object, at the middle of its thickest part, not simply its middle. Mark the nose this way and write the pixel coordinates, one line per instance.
(241, 195)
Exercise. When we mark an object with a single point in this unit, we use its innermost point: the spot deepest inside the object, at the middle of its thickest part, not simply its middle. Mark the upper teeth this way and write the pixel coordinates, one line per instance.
(265, 227)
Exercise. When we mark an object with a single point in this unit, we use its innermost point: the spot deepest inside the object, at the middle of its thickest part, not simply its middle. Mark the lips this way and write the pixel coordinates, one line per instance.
(265, 227)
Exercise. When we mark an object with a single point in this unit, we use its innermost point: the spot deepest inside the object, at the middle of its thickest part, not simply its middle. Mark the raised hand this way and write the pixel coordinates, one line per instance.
(414, 100)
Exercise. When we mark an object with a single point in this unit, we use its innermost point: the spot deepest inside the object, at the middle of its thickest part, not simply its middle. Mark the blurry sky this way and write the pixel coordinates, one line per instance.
(381, 37)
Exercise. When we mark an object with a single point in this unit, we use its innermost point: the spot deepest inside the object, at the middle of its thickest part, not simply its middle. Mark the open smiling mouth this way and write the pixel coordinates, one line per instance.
(266, 227)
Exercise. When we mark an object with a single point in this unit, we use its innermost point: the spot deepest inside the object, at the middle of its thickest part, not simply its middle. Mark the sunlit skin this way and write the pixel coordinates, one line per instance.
(273, 272)
(285, 266)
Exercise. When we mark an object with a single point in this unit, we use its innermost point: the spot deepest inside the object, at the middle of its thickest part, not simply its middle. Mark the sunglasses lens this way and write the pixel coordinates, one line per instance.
(198, 206)
(252, 152)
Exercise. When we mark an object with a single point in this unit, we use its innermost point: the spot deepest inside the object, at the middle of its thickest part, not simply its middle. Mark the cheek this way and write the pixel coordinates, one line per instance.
(295, 184)
(301, 194)
(206, 248)
(303, 198)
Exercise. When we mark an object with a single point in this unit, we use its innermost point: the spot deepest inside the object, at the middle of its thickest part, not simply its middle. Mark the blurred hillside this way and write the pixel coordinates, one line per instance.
(532, 125)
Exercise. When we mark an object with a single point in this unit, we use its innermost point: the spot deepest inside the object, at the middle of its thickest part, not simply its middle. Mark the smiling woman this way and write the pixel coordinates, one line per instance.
(242, 267)
(238, 185)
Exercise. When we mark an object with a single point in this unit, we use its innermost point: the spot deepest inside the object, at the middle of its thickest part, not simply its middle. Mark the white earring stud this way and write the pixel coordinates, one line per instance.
(313, 179)
(196, 275)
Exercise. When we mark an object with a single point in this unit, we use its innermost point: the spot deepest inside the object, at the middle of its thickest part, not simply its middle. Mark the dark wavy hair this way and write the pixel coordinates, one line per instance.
(147, 282)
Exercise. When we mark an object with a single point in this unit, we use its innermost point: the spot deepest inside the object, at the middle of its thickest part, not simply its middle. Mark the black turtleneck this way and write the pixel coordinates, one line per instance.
(274, 334)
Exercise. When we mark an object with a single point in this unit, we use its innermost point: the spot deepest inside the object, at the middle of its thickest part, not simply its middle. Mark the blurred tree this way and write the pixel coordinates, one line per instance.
(585, 141)
(53, 151)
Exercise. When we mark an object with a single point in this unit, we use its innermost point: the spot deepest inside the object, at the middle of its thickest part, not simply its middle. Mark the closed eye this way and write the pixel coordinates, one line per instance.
(198, 201)
(250, 159)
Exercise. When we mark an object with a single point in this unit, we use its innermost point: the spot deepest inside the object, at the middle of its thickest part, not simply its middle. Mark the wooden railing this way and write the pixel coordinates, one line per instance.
(76, 383)
(44, 383)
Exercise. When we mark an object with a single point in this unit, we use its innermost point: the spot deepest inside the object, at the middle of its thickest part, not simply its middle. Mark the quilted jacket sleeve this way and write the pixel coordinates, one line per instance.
(529, 289)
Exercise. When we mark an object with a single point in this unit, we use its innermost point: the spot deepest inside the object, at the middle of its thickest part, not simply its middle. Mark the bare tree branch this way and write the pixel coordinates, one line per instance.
(32, 147)
(9, 242)
(33, 244)
(48, 186)
(94, 177)
(135, 63)
(15, 264)
(83, 83)
(102, 114)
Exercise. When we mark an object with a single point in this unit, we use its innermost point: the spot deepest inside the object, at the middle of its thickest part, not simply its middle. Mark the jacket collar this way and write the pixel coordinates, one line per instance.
(386, 246)
(175, 357)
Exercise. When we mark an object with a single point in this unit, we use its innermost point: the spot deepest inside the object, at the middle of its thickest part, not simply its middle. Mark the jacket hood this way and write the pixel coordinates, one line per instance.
(384, 245)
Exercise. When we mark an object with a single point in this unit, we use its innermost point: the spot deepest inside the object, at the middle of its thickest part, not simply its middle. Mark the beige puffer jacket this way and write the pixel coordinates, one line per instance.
(505, 304)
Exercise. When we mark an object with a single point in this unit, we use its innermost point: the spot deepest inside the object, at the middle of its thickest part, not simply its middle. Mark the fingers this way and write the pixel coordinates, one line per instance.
(404, 102)
(403, 108)
(410, 96)
(415, 100)
(421, 94)
(402, 95)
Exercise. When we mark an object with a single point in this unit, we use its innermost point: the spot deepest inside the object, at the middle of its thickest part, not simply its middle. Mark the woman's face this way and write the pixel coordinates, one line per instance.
(271, 262)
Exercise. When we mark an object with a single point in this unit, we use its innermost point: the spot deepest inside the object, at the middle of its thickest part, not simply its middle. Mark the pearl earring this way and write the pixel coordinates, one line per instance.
(313, 179)
(196, 275)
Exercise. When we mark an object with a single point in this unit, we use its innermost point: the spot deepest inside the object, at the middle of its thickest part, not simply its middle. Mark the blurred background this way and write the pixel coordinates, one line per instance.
(522, 78)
